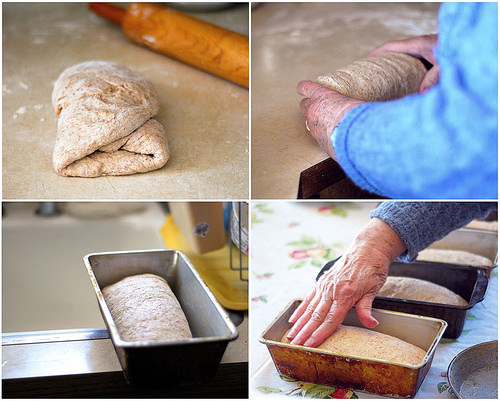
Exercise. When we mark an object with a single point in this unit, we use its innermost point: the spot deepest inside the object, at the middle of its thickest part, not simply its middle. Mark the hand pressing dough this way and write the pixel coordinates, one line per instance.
(363, 343)
(386, 76)
(105, 124)
(144, 308)
(419, 290)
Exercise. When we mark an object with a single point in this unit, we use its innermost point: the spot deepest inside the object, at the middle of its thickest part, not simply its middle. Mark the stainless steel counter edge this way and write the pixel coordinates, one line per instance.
(82, 362)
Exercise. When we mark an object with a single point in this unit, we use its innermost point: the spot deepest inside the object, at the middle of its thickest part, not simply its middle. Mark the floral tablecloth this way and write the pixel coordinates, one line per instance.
(291, 241)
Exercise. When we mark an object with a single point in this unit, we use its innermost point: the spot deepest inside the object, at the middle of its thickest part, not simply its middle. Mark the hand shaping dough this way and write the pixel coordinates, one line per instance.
(363, 343)
(386, 76)
(105, 124)
(144, 308)
(419, 290)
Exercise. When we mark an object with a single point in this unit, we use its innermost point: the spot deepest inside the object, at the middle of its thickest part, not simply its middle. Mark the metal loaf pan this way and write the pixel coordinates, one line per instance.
(186, 361)
(370, 375)
(468, 282)
(480, 242)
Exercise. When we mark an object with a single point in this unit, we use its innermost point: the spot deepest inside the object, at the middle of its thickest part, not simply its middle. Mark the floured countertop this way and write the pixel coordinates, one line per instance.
(298, 41)
(205, 117)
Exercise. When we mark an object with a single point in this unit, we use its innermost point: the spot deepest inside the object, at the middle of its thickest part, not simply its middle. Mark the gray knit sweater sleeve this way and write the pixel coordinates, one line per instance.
(419, 224)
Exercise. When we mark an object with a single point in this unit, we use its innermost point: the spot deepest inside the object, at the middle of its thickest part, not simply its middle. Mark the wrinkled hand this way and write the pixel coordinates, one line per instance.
(421, 47)
(323, 109)
(355, 279)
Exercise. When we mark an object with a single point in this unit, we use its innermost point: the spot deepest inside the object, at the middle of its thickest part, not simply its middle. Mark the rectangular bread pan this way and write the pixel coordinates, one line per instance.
(364, 374)
(186, 361)
(480, 242)
(468, 282)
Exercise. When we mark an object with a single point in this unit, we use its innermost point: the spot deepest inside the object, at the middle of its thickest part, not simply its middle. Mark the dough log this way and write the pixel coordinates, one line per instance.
(145, 308)
(386, 76)
(419, 290)
(454, 256)
(105, 124)
(364, 343)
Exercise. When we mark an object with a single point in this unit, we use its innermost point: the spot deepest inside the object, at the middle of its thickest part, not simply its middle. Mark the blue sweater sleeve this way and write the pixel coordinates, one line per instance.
(419, 224)
(441, 144)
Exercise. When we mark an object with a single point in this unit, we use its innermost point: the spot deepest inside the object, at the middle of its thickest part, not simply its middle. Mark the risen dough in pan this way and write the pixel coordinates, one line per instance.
(105, 124)
(454, 256)
(363, 343)
(419, 290)
(386, 76)
(144, 308)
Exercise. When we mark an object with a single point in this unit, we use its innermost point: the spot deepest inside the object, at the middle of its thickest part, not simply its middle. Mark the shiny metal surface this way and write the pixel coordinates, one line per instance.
(365, 374)
(148, 361)
(49, 336)
(480, 363)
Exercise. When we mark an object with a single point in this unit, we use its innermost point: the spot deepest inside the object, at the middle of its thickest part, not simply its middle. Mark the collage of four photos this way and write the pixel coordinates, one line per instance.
(250, 200)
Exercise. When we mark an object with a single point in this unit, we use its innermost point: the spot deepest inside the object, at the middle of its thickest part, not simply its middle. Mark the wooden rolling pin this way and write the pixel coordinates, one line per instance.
(187, 39)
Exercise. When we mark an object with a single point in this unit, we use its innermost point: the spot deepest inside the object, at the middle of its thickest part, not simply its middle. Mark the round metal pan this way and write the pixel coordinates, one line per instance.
(473, 373)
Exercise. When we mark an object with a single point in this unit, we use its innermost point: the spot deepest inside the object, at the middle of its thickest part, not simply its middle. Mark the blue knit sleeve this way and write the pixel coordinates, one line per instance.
(419, 224)
(441, 144)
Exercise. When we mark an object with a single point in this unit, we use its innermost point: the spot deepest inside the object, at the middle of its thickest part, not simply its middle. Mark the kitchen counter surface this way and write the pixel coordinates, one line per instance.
(205, 117)
(298, 41)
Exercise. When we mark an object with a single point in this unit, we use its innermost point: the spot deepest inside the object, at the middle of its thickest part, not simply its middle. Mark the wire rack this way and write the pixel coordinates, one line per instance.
(238, 235)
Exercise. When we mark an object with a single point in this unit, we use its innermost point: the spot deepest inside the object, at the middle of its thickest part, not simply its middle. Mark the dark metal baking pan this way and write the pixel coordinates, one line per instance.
(473, 373)
(468, 282)
(364, 374)
(192, 360)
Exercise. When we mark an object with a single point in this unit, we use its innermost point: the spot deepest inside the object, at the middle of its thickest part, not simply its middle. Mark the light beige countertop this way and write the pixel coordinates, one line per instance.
(205, 117)
(298, 41)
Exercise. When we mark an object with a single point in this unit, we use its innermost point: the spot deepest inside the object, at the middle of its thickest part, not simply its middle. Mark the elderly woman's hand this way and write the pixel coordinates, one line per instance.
(323, 109)
(420, 47)
(354, 280)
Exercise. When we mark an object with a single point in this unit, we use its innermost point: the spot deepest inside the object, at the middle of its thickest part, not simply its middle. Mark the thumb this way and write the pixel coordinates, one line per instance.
(364, 311)
(430, 79)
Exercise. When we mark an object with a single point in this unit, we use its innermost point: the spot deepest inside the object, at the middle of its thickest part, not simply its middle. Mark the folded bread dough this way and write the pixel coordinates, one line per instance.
(386, 76)
(144, 308)
(363, 343)
(105, 124)
(419, 290)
